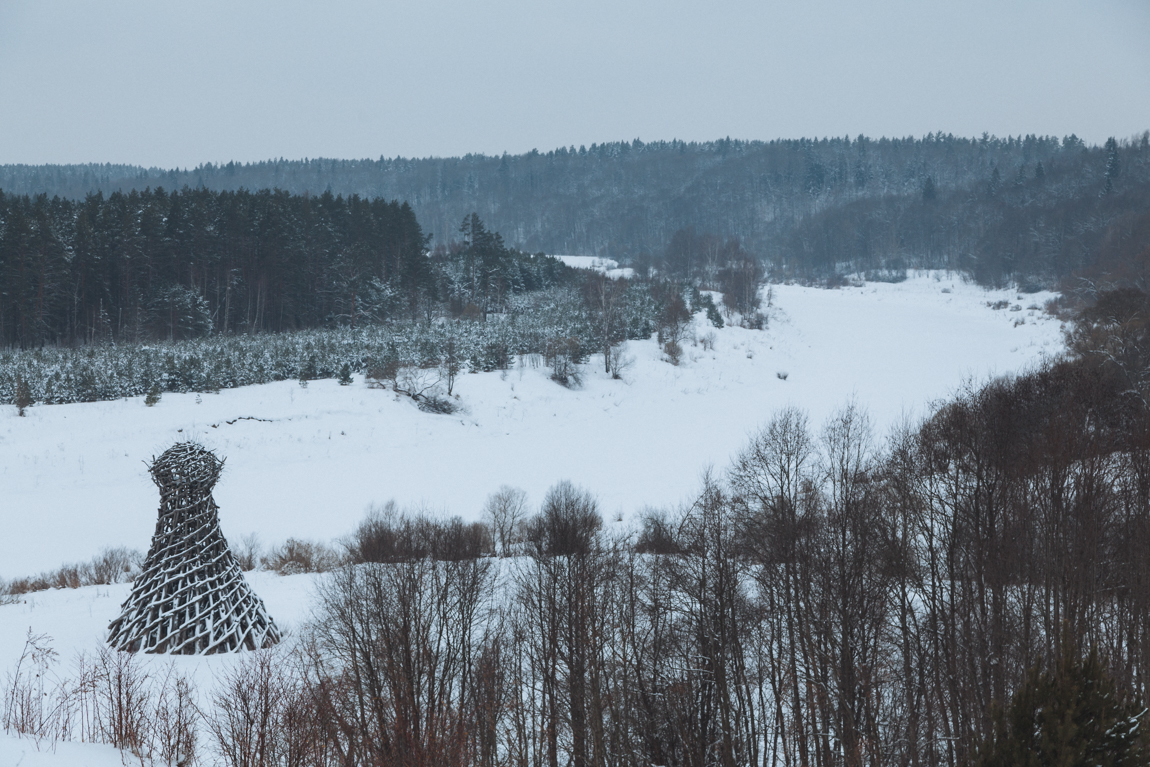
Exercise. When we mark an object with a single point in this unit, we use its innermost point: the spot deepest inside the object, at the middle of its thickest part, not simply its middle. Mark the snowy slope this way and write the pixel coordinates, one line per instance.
(74, 477)
(607, 266)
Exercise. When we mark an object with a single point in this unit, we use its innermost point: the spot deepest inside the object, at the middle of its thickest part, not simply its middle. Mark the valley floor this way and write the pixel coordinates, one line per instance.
(307, 462)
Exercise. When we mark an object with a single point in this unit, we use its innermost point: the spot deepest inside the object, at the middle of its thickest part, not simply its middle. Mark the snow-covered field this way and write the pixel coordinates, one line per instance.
(607, 266)
(307, 462)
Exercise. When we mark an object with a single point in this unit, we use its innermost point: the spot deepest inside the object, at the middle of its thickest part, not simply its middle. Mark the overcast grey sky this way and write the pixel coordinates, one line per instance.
(180, 83)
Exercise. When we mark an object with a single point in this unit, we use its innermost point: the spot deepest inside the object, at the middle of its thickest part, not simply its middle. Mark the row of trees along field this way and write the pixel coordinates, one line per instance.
(157, 265)
(1028, 208)
(972, 590)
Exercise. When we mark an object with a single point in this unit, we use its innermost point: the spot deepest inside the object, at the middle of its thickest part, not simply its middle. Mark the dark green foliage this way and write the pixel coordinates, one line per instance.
(105, 371)
(1113, 164)
(345, 378)
(808, 207)
(928, 191)
(23, 399)
(705, 302)
(154, 265)
(1070, 716)
(153, 395)
(714, 316)
(309, 371)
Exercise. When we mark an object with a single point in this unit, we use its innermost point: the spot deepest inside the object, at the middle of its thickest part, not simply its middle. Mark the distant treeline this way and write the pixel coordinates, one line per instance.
(1027, 208)
(170, 265)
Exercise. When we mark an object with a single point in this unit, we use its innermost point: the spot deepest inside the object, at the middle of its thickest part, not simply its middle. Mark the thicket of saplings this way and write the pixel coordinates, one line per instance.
(830, 598)
(560, 328)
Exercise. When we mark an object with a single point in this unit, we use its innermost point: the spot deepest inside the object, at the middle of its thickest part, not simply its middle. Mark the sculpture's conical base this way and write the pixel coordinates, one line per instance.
(191, 597)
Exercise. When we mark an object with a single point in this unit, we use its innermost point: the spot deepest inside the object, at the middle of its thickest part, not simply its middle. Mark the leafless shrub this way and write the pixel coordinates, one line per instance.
(28, 703)
(381, 374)
(753, 321)
(436, 404)
(658, 535)
(504, 510)
(112, 565)
(564, 356)
(115, 565)
(618, 361)
(673, 351)
(115, 701)
(295, 556)
(422, 382)
(708, 341)
(458, 541)
(417, 382)
(174, 731)
(20, 586)
(1064, 306)
(568, 522)
(71, 576)
(389, 535)
(264, 714)
(740, 282)
(405, 697)
(673, 315)
(248, 552)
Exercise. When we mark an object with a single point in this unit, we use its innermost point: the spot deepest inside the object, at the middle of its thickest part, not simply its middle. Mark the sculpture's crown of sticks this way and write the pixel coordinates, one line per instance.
(186, 465)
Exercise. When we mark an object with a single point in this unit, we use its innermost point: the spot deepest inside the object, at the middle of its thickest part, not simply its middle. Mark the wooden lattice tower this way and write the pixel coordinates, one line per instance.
(191, 597)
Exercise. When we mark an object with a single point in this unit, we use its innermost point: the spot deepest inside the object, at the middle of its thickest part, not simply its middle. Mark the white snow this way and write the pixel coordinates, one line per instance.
(607, 266)
(75, 480)
(74, 477)
(76, 621)
(24, 752)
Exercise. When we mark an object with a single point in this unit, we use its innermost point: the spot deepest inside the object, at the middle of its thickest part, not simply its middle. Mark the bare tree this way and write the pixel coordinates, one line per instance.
(504, 511)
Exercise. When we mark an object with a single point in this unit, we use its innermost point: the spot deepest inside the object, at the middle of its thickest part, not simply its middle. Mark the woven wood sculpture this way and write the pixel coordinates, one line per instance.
(191, 597)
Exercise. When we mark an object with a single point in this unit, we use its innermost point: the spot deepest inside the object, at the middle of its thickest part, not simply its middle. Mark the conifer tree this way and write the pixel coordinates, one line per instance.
(23, 399)
(1070, 716)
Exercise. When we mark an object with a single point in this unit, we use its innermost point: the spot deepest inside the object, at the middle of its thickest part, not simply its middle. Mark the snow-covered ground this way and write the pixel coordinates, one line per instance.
(607, 266)
(76, 620)
(307, 462)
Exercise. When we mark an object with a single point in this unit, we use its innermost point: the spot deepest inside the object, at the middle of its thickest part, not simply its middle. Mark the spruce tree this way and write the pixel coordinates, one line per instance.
(153, 395)
(928, 191)
(1070, 716)
(23, 399)
(1113, 166)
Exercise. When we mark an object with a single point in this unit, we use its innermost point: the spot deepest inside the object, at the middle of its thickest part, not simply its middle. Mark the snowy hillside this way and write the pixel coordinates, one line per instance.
(306, 462)
(607, 266)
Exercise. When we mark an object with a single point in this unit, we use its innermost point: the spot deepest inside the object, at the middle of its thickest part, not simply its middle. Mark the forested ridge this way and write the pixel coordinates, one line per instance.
(1032, 209)
(158, 265)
